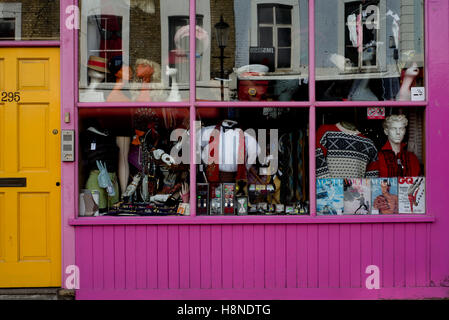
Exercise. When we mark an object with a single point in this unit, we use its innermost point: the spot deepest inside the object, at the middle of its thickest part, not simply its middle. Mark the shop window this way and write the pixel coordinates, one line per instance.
(370, 161)
(131, 162)
(29, 20)
(258, 50)
(125, 51)
(369, 50)
(252, 161)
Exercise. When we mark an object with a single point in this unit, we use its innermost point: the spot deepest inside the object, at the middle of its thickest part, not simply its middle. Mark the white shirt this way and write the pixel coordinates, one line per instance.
(228, 148)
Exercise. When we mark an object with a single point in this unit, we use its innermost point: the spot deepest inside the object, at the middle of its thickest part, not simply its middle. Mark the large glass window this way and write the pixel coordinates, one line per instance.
(369, 50)
(134, 51)
(253, 50)
(29, 20)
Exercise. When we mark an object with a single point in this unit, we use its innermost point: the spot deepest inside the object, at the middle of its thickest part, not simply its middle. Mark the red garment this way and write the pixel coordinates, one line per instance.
(389, 166)
(213, 170)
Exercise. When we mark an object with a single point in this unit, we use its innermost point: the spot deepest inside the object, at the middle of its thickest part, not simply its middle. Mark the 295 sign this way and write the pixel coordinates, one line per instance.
(10, 96)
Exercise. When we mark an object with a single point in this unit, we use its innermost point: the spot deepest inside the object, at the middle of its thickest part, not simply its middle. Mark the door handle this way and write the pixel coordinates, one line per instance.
(13, 182)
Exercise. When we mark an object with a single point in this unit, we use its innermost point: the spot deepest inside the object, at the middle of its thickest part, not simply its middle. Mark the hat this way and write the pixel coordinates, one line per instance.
(98, 64)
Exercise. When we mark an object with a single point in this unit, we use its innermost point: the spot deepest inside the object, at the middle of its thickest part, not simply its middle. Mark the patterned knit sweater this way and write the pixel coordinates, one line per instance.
(341, 153)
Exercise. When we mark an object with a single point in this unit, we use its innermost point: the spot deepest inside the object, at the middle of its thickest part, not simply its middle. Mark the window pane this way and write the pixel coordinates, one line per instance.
(284, 37)
(263, 48)
(265, 13)
(147, 173)
(369, 50)
(284, 58)
(249, 171)
(283, 14)
(134, 51)
(370, 161)
(29, 20)
(265, 37)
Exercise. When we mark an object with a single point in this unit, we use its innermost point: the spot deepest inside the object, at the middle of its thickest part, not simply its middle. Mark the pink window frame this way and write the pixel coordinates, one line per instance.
(69, 40)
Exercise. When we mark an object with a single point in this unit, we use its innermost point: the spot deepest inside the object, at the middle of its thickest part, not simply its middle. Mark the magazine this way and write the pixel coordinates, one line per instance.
(357, 196)
(384, 196)
(412, 195)
(329, 196)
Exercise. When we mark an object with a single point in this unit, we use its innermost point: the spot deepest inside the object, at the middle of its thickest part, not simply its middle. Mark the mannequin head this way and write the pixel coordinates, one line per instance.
(95, 76)
(395, 128)
(412, 70)
(148, 71)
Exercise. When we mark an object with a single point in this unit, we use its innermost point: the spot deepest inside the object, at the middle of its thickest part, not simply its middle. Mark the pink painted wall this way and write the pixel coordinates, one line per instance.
(296, 257)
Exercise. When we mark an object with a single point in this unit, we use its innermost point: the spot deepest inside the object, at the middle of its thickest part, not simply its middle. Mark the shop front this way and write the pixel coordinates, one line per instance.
(237, 149)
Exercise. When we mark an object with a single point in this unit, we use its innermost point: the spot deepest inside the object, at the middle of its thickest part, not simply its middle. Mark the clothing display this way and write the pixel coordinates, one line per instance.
(342, 153)
(403, 164)
(105, 200)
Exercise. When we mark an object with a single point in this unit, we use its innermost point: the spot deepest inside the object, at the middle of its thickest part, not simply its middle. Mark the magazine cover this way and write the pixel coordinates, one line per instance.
(329, 196)
(384, 195)
(412, 195)
(357, 196)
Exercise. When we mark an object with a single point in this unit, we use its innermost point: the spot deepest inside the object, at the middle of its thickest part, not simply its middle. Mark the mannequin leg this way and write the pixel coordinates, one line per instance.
(123, 165)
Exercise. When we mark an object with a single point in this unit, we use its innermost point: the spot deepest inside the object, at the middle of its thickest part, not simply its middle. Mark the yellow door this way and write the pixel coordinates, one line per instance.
(30, 168)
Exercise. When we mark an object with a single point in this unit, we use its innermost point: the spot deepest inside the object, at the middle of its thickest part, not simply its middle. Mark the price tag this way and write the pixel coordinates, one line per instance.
(93, 146)
(418, 94)
(376, 113)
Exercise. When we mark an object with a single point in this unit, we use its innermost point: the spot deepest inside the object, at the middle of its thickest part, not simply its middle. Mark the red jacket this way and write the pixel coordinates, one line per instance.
(389, 166)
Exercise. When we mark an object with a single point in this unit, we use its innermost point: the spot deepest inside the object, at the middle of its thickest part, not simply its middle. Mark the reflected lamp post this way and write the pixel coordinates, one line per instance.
(222, 33)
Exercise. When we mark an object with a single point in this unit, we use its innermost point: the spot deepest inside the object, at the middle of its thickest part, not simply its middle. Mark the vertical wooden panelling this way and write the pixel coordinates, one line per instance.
(237, 256)
(388, 256)
(173, 257)
(248, 256)
(399, 255)
(292, 256)
(367, 250)
(421, 254)
(280, 238)
(323, 256)
(251, 256)
(195, 257)
(108, 254)
(206, 281)
(184, 257)
(130, 254)
(152, 265)
(216, 253)
(141, 257)
(119, 257)
(410, 247)
(355, 244)
(334, 256)
(312, 256)
(302, 245)
(270, 266)
(259, 256)
(345, 256)
(98, 258)
(162, 257)
(227, 256)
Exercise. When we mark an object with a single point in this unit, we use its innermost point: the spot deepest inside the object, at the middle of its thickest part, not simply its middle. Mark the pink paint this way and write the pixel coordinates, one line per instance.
(268, 257)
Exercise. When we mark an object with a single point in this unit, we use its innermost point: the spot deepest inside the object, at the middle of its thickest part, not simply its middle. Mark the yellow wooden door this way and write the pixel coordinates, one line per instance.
(30, 169)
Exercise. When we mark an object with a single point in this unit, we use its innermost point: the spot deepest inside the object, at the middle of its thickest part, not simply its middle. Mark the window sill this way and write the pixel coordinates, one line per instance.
(178, 220)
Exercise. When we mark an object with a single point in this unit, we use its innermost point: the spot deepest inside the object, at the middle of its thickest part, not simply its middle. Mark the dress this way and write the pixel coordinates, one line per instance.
(342, 153)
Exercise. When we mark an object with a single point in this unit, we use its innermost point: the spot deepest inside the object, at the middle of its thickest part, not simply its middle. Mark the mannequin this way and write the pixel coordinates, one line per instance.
(100, 146)
(394, 159)
(123, 74)
(123, 144)
(410, 74)
(96, 70)
(343, 152)
(360, 90)
(147, 71)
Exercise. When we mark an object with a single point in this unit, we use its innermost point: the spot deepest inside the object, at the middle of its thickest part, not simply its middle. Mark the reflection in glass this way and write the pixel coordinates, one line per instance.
(141, 48)
(369, 50)
(265, 57)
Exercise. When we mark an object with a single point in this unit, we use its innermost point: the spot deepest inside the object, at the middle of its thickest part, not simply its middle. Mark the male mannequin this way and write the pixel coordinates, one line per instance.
(343, 152)
(394, 160)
